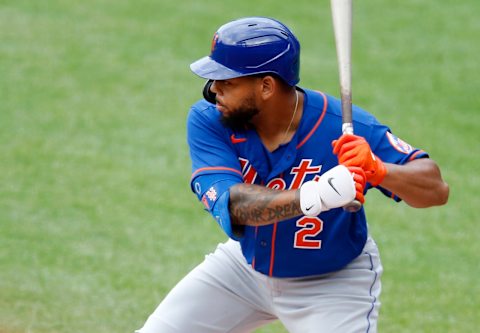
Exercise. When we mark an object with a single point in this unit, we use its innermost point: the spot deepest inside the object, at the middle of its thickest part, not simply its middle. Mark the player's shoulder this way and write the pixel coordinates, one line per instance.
(203, 107)
(334, 107)
(331, 106)
(203, 111)
(316, 99)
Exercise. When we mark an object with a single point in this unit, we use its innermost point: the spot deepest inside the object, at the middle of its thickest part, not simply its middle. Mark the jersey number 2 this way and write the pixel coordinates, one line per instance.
(310, 228)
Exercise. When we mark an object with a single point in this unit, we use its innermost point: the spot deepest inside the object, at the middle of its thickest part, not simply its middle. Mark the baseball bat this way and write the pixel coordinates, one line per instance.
(342, 27)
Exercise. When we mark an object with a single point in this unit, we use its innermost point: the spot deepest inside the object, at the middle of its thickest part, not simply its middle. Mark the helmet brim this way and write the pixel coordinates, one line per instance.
(208, 68)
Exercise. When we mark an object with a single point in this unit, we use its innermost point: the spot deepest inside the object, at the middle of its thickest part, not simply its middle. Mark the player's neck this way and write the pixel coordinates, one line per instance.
(277, 122)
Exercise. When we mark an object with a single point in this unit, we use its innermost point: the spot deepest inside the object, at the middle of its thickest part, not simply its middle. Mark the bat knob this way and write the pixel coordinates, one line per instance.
(353, 206)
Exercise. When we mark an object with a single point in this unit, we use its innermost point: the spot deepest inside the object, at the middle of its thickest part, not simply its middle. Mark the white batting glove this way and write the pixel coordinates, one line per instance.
(335, 188)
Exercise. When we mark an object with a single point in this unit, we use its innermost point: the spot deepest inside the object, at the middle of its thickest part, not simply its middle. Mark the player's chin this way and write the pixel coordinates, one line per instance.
(226, 117)
(231, 121)
(237, 119)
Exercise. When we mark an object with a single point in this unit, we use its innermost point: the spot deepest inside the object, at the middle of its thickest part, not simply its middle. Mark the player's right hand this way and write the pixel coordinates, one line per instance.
(335, 189)
(360, 180)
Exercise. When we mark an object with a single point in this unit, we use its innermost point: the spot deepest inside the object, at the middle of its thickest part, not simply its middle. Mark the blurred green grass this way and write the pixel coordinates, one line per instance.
(97, 221)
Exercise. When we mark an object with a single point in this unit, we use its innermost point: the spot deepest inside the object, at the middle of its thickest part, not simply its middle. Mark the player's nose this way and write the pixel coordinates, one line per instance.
(213, 87)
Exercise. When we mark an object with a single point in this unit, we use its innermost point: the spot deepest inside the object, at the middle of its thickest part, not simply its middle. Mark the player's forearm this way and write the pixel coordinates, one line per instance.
(257, 205)
(419, 183)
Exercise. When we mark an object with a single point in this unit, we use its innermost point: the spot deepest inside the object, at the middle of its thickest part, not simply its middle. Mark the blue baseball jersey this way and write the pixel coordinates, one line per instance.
(301, 246)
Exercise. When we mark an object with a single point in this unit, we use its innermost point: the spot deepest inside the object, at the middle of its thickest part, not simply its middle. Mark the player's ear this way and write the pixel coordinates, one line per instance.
(268, 87)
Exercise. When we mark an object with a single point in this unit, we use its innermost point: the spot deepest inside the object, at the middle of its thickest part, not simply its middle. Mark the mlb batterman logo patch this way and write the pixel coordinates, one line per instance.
(209, 198)
(211, 194)
(399, 144)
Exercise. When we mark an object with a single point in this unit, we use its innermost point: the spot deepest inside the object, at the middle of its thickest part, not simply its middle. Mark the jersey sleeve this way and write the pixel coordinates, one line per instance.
(212, 191)
(215, 165)
(391, 149)
(384, 144)
(210, 150)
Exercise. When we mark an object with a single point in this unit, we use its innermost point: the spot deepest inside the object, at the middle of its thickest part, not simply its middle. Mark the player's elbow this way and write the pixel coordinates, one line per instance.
(442, 194)
(438, 189)
(436, 196)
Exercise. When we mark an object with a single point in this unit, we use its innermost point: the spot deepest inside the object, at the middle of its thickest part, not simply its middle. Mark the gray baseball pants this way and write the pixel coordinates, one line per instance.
(224, 294)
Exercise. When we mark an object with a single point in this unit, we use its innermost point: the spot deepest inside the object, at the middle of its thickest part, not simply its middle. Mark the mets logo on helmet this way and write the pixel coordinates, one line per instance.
(214, 42)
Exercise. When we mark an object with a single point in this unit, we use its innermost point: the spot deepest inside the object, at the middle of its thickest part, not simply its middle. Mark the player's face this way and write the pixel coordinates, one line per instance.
(236, 101)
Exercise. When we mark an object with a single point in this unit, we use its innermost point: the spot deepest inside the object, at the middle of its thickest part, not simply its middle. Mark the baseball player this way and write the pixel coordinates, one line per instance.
(270, 164)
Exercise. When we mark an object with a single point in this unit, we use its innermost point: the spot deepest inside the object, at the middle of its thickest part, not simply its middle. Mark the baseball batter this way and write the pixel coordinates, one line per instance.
(270, 164)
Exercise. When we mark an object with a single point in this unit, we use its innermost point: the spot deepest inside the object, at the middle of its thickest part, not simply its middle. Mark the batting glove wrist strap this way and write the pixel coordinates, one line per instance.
(310, 202)
(335, 188)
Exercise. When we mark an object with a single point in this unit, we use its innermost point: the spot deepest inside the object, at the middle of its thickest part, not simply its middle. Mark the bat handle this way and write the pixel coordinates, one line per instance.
(355, 205)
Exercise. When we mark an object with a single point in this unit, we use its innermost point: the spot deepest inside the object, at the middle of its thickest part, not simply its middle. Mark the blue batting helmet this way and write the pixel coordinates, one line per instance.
(251, 45)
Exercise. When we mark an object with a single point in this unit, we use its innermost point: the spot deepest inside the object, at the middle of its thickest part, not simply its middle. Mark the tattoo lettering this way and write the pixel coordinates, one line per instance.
(258, 205)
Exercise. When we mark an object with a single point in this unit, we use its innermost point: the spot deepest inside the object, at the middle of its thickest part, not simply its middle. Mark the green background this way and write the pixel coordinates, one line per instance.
(97, 221)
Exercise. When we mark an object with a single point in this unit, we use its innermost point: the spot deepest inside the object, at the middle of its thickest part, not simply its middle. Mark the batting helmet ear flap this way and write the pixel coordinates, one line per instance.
(207, 93)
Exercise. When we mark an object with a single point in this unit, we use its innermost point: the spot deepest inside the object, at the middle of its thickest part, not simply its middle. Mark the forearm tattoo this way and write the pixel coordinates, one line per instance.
(259, 205)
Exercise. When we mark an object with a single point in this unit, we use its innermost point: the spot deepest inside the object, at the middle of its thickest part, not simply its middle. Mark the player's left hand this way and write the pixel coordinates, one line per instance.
(334, 189)
(354, 151)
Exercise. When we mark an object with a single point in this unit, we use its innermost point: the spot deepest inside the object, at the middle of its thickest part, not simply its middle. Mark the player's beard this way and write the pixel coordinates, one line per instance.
(240, 118)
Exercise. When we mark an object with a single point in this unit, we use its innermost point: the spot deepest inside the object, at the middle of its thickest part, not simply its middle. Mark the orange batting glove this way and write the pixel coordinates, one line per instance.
(360, 180)
(354, 151)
